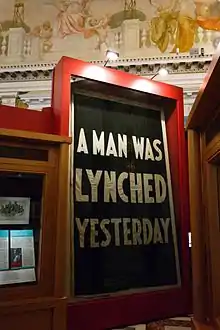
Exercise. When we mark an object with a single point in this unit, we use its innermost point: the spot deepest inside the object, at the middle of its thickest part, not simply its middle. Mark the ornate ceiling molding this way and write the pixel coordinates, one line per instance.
(26, 75)
(140, 66)
(33, 80)
(37, 94)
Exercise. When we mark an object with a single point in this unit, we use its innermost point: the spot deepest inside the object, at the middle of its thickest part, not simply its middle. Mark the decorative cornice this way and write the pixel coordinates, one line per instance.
(10, 76)
(120, 61)
(141, 66)
(21, 67)
(158, 60)
(37, 94)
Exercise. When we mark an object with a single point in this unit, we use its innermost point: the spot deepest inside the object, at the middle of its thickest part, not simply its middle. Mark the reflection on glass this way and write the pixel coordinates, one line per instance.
(20, 225)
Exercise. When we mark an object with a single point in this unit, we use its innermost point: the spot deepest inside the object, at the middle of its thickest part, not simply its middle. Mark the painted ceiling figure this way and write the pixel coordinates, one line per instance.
(126, 5)
(45, 33)
(129, 5)
(18, 12)
(174, 25)
(72, 15)
(98, 27)
(186, 27)
(208, 15)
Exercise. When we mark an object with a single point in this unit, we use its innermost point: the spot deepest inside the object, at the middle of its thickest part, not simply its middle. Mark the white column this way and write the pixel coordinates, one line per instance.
(16, 38)
(35, 51)
(130, 36)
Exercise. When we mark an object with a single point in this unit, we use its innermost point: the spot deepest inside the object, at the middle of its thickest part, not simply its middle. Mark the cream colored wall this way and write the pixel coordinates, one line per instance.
(43, 45)
(167, 25)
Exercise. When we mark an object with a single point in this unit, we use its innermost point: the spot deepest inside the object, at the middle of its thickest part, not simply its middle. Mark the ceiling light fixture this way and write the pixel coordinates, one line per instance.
(163, 72)
(111, 56)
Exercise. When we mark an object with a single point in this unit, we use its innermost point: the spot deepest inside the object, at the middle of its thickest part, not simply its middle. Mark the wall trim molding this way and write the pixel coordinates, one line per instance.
(34, 80)
(139, 66)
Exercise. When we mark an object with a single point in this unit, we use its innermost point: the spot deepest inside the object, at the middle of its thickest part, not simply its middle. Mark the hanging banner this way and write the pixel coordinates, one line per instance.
(124, 225)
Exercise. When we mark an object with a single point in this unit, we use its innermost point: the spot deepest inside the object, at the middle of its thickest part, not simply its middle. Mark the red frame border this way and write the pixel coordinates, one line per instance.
(115, 311)
(27, 120)
(108, 313)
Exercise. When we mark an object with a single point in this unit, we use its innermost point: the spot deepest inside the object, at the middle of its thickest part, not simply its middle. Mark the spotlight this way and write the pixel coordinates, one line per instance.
(111, 56)
(162, 72)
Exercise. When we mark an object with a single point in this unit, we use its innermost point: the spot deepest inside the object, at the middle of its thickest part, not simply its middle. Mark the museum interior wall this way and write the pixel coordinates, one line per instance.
(180, 35)
(148, 34)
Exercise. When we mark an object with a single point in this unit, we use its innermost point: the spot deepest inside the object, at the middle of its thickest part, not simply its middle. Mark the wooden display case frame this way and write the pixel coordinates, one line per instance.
(203, 131)
(41, 305)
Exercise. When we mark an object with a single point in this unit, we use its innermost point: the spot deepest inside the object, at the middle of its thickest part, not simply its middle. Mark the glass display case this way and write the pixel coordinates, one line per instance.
(21, 196)
(33, 222)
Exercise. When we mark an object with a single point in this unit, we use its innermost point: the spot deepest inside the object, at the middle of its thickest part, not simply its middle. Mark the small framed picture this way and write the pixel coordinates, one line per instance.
(14, 210)
(16, 258)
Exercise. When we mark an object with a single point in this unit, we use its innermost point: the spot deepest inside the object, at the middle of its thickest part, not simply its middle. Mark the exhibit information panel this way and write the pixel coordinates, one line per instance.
(124, 219)
(20, 225)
